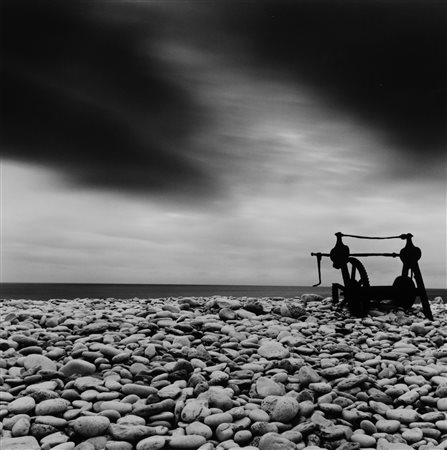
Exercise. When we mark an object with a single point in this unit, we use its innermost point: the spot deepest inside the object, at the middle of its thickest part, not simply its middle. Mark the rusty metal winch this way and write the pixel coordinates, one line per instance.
(356, 291)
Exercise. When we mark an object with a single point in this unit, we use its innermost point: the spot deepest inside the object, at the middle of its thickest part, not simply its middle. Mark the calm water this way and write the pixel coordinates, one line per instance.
(45, 291)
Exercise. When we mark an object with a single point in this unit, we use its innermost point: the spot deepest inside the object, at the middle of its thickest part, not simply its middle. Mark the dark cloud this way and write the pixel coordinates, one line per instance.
(82, 91)
(384, 62)
(86, 89)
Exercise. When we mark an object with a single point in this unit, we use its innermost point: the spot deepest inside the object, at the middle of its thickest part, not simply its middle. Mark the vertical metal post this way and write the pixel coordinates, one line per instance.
(422, 292)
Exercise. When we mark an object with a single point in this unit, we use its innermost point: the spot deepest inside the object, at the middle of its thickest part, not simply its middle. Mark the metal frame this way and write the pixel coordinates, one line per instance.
(358, 293)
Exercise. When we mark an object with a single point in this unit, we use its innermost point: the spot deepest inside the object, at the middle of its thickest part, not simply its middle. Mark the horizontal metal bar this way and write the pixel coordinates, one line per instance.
(401, 236)
(392, 255)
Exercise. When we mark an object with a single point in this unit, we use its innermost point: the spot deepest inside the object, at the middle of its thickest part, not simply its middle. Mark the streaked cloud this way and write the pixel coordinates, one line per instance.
(139, 97)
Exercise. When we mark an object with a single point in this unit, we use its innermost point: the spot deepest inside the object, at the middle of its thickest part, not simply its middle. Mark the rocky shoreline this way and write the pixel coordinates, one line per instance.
(220, 373)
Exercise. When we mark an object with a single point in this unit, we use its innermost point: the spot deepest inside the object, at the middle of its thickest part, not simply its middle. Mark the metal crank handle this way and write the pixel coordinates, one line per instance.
(318, 255)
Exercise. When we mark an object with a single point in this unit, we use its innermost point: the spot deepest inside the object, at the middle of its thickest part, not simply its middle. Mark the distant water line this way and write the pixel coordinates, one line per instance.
(46, 291)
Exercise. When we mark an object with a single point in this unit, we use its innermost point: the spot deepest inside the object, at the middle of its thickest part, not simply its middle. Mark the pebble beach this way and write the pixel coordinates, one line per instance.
(220, 373)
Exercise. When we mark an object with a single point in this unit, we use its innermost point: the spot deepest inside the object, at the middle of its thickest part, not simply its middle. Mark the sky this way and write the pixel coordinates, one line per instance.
(199, 142)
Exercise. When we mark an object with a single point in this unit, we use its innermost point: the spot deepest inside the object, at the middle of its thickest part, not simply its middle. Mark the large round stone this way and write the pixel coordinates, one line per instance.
(280, 408)
(190, 442)
(78, 367)
(19, 443)
(52, 407)
(388, 426)
(273, 350)
(307, 375)
(152, 443)
(404, 415)
(266, 386)
(41, 362)
(383, 444)
(273, 441)
(22, 405)
(90, 426)
(413, 435)
(24, 341)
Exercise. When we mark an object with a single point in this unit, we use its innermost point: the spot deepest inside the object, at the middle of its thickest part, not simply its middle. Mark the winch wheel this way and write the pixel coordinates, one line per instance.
(356, 291)
(404, 292)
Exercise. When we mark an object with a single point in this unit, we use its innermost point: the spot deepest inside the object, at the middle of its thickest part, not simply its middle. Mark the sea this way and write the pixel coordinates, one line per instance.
(47, 291)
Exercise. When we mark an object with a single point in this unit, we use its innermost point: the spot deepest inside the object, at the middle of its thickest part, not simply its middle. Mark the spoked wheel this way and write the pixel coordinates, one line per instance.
(356, 295)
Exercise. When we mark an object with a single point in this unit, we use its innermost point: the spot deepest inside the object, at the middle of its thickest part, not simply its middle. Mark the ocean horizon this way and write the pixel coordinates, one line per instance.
(69, 291)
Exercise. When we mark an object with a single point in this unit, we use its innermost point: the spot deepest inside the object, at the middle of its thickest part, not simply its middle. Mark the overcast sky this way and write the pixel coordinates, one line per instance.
(220, 142)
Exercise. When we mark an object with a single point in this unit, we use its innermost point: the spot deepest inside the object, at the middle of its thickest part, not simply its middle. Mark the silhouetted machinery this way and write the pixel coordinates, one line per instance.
(356, 290)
